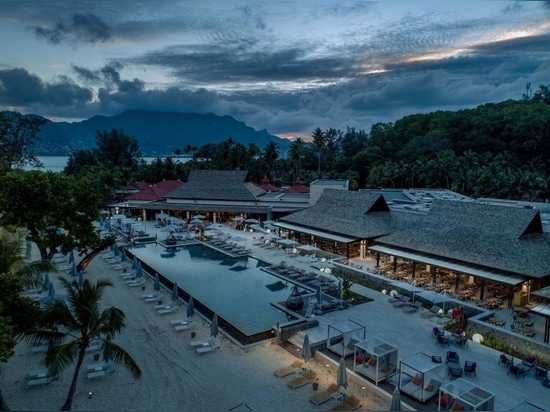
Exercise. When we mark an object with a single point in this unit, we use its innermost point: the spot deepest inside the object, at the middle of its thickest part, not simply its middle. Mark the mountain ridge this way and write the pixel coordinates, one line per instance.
(158, 133)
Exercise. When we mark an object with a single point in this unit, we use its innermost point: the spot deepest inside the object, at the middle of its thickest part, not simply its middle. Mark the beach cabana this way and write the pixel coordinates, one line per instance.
(343, 335)
(375, 359)
(468, 395)
(419, 377)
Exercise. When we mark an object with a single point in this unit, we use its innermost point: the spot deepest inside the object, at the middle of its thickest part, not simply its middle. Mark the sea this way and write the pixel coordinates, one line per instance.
(58, 163)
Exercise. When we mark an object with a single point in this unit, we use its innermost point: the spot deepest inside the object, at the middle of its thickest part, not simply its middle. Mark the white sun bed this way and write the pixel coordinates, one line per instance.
(168, 310)
(185, 326)
(206, 349)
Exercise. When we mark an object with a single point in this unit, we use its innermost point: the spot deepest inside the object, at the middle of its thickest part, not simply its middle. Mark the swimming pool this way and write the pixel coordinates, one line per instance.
(234, 288)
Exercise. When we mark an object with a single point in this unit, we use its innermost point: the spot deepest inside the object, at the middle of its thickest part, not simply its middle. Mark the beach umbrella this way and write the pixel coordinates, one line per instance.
(134, 263)
(238, 219)
(71, 257)
(80, 279)
(198, 217)
(395, 404)
(191, 307)
(51, 290)
(253, 221)
(340, 290)
(175, 292)
(342, 375)
(117, 250)
(73, 273)
(319, 294)
(156, 283)
(138, 270)
(28, 250)
(107, 357)
(306, 349)
(46, 282)
(214, 326)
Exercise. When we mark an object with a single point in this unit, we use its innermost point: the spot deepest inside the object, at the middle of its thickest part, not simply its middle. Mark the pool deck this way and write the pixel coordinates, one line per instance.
(412, 334)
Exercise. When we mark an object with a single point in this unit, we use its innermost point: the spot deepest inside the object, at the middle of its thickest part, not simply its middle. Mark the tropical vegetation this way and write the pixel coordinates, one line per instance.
(74, 323)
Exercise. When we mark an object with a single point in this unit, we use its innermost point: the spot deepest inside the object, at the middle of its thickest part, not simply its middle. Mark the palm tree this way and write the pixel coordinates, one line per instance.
(13, 261)
(296, 152)
(76, 322)
(319, 141)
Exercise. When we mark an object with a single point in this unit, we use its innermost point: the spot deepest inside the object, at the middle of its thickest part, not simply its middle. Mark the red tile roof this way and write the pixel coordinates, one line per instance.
(266, 185)
(150, 193)
(297, 187)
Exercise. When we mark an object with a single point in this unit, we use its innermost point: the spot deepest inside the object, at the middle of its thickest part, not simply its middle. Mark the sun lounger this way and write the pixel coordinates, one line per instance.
(168, 310)
(40, 373)
(288, 370)
(151, 295)
(103, 372)
(324, 396)
(179, 321)
(185, 326)
(134, 283)
(352, 403)
(412, 308)
(199, 343)
(153, 299)
(300, 381)
(162, 306)
(94, 345)
(400, 303)
(434, 310)
(39, 349)
(40, 381)
(209, 348)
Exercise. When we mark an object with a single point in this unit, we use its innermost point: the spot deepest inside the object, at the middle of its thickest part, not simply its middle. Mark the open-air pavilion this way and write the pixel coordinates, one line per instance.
(467, 395)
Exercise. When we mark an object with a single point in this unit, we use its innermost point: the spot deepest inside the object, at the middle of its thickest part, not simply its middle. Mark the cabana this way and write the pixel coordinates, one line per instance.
(343, 335)
(466, 396)
(375, 359)
(420, 377)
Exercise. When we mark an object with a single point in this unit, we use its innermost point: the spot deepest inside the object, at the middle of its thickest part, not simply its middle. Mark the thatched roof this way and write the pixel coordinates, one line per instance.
(217, 185)
(355, 214)
(502, 238)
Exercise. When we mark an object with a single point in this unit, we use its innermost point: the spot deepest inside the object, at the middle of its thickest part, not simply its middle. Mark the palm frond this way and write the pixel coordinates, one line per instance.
(120, 356)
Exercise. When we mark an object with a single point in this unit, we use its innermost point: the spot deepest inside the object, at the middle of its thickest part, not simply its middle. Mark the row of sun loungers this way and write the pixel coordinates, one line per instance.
(100, 371)
(309, 377)
(288, 370)
(205, 346)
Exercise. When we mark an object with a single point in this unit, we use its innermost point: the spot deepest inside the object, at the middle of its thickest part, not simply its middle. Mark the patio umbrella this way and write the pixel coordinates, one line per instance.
(254, 221)
(51, 290)
(28, 249)
(71, 257)
(156, 283)
(134, 262)
(214, 226)
(319, 294)
(214, 326)
(342, 375)
(306, 349)
(46, 282)
(238, 219)
(107, 357)
(198, 217)
(139, 272)
(73, 273)
(80, 279)
(395, 404)
(175, 292)
(191, 307)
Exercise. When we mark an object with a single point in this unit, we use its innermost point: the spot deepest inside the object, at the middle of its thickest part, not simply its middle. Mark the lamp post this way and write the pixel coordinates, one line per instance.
(363, 392)
(326, 368)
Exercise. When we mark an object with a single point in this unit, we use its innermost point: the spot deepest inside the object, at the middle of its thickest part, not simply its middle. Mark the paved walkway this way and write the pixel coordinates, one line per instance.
(411, 334)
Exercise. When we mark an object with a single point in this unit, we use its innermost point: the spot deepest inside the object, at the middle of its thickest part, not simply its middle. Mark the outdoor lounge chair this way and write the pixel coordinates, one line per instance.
(323, 396)
(352, 403)
(470, 368)
(40, 381)
(303, 380)
(516, 371)
(541, 373)
(396, 298)
(505, 360)
(404, 301)
(134, 283)
(185, 326)
(452, 357)
(434, 311)
(209, 348)
(108, 370)
(529, 361)
(168, 310)
(412, 308)
(288, 370)
(442, 340)
(200, 343)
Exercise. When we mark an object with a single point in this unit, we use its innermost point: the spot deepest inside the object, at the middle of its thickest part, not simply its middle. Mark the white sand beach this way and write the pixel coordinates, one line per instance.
(174, 377)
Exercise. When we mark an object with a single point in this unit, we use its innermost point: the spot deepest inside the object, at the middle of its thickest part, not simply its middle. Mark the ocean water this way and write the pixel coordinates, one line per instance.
(58, 163)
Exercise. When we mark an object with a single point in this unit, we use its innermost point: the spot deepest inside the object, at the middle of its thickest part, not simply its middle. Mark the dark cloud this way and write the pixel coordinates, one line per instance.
(20, 88)
(108, 77)
(86, 28)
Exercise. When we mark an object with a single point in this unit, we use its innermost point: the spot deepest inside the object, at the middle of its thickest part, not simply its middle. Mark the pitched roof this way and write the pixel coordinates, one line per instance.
(357, 214)
(266, 185)
(169, 185)
(297, 187)
(150, 193)
(215, 185)
(502, 238)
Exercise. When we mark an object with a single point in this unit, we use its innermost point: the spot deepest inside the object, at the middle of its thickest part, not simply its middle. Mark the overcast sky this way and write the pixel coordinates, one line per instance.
(284, 66)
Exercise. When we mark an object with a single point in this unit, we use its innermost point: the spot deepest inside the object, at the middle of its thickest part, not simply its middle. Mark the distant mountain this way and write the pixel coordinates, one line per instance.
(158, 133)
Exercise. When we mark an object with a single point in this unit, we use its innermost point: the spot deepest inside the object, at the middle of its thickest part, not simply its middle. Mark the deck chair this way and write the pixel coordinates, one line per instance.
(434, 310)
(40, 381)
(505, 360)
(323, 396)
(470, 368)
(99, 374)
(399, 304)
(516, 371)
(452, 357)
(168, 310)
(185, 326)
(412, 308)
(209, 348)
(288, 370)
(300, 381)
(442, 340)
(352, 403)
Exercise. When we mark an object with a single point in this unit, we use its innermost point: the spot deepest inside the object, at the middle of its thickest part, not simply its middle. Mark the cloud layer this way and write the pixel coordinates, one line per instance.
(287, 67)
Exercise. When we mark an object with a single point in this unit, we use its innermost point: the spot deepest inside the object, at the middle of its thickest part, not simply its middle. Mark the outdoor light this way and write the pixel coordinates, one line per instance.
(326, 368)
(363, 390)
(90, 395)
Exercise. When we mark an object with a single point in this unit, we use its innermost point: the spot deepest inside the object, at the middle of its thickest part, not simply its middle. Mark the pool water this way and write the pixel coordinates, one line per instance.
(234, 288)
